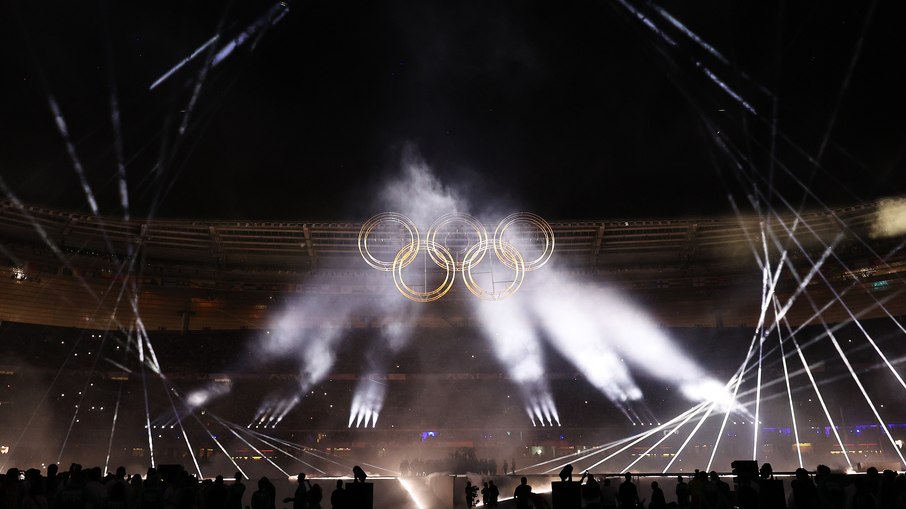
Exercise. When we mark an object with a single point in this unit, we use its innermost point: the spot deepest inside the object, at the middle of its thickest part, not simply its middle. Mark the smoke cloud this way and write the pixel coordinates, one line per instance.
(891, 218)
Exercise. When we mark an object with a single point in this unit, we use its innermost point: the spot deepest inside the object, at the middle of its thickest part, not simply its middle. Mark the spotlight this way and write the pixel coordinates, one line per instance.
(358, 474)
(566, 475)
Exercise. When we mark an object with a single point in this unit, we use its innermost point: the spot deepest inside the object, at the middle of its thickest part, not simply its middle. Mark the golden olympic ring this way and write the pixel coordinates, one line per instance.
(440, 254)
(388, 217)
(446, 219)
(408, 252)
(536, 221)
(474, 255)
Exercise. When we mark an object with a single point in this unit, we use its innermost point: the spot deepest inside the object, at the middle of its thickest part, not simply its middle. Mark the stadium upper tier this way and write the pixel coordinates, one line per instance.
(69, 269)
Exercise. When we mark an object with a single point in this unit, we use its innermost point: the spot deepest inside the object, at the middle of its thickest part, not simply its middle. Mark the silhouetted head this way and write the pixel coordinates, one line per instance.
(654, 485)
(238, 476)
(766, 471)
(52, 470)
(871, 472)
(523, 480)
(802, 474)
(262, 483)
(714, 476)
(218, 479)
(627, 476)
(339, 484)
(301, 477)
(679, 478)
(823, 470)
(120, 472)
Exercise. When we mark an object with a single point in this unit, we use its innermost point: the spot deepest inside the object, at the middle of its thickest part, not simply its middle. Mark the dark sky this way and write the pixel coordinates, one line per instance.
(574, 110)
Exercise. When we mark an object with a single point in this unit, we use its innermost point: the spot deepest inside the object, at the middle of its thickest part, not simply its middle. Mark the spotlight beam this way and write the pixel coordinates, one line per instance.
(739, 375)
(858, 383)
(852, 317)
(269, 444)
(786, 378)
(141, 356)
(811, 378)
(696, 409)
(691, 434)
(659, 442)
(246, 442)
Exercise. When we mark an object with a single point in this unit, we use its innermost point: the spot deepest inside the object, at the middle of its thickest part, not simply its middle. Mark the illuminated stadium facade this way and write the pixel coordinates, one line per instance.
(210, 290)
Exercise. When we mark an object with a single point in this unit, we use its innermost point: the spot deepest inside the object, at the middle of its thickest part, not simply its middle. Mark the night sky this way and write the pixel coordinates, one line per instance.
(573, 111)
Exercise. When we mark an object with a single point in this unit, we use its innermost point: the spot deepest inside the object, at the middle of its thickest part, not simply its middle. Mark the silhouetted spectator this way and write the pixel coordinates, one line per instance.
(831, 489)
(152, 496)
(315, 495)
(863, 498)
(608, 496)
(628, 494)
(338, 498)
(723, 497)
(522, 494)
(485, 492)
(591, 491)
(71, 496)
(682, 492)
(657, 497)
(493, 494)
(33, 496)
(216, 496)
(805, 494)
(261, 498)
(117, 495)
(237, 490)
(300, 497)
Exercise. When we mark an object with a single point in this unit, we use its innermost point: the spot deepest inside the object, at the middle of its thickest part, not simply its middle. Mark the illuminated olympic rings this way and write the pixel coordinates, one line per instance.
(387, 217)
(441, 254)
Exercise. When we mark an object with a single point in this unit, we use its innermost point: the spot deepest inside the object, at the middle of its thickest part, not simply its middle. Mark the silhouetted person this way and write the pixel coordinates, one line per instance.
(886, 496)
(300, 497)
(513, 466)
(217, 494)
(608, 497)
(722, 498)
(315, 495)
(261, 498)
(831, 490)
(358, 474)
(628, 494)
(657, 497)
(152, 496)
(863, 498)
(471, 492)
(72, 494)
(682, 492)
(591, 491)
(338, 499)
(493, 494)
(485, 492)
(805, 494)
(32, 497)
(522, 494)
(117, 496)
(237, 491)
(505, 465)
